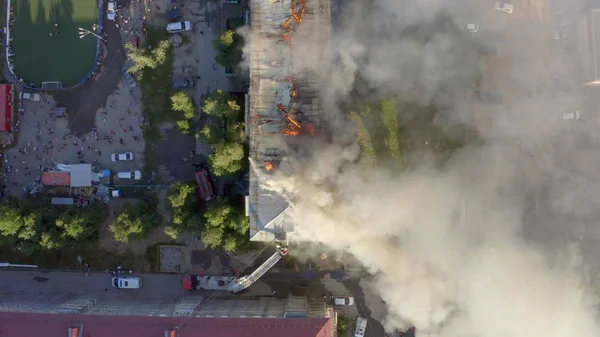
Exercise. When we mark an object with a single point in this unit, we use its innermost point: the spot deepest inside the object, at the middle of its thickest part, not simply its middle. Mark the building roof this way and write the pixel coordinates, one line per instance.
(57, 325)
(6, 100)
(81, 175)
(281, 101)
(56, 178)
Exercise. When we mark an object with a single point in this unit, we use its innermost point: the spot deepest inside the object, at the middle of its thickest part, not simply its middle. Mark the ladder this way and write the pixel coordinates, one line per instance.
(244, 282)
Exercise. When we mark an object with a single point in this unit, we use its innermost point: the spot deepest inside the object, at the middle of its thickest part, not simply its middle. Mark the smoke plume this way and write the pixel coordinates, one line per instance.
(487, 245)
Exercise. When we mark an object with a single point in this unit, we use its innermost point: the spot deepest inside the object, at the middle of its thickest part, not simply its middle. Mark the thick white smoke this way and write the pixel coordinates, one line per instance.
(448, 246)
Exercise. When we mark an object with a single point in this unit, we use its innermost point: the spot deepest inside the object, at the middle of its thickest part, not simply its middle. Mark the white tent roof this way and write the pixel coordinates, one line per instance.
(81, 175)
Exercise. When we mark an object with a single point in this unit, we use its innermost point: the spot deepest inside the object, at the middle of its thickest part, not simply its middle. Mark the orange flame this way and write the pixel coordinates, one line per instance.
(269, 166)
(310, 129)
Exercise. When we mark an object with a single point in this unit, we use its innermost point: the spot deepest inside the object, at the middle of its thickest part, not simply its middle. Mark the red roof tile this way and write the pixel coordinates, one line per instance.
(57, 325)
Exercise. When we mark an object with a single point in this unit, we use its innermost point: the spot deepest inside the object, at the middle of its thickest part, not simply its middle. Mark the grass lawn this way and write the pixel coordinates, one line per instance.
(62, 57)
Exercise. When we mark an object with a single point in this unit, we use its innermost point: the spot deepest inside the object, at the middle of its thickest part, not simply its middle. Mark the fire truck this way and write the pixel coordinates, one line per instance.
(235, 283)
(203, 183)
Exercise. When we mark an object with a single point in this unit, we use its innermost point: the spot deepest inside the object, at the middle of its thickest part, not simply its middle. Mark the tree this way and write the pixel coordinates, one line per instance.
(227, 158)
(79, 226)
(182, 101)
(10, 220)
(182, 198)
(368, 156)
(229, 49)
(226, 227)
(222, 105)
(390, 121)
(50, 240)
(184, 126)
(183, 204)
(127, 225)
(141, 58)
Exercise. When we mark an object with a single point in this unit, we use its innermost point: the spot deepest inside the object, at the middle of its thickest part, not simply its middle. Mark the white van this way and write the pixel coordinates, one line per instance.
(135, 175)
(182, 26)
(360, 327)
(571, 115)
(127, 282)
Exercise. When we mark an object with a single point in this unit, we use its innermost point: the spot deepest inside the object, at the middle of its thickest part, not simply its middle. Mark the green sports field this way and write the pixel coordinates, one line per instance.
(45, 52)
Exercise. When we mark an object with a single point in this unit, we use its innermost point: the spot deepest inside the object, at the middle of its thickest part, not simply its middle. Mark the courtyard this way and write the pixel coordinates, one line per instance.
(46, 45)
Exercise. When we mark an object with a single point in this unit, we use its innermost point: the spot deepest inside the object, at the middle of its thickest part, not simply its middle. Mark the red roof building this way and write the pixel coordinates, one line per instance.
(58, 325)
(6, 100)
(56, 178)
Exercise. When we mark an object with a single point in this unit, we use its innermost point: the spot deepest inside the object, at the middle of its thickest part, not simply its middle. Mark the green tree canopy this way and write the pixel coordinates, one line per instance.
(143, 58)
(127, 225)
(226, 227)
(183, 102)
(229, 49)
(222, 105)
(227, 158)
(78, 225)
(135, 222)
(183, 204)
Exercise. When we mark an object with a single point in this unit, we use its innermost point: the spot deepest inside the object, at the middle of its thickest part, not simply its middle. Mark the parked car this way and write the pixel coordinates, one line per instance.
(131, 82)
(342, 301)
(471, 27)
(127, 282)
(181, 26)
(180, 82)
(111, 11)
(503, 6)
(59, 112)
(174, 14)
(121, 156)
(571, 115)
(135, 175)
(32, 96)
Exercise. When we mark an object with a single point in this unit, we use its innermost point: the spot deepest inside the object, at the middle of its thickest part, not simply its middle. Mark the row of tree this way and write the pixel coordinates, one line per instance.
(183, 103)
(32, 227)
(222, 225)
(382, 113)
(224, 131)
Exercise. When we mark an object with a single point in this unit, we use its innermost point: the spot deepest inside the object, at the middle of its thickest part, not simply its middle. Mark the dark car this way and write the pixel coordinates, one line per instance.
(180, 82)
(174, 14)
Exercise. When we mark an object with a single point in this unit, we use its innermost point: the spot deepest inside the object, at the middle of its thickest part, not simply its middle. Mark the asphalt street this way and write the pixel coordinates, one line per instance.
(30, 284)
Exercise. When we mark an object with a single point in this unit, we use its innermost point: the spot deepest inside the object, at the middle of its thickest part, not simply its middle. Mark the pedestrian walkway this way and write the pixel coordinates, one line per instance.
(44, 139)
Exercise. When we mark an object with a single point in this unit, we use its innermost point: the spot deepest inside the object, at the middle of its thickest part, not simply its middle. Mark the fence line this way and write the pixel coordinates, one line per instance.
(87, 77)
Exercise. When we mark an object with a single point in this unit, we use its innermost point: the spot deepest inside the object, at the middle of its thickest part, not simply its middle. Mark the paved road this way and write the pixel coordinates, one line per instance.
(53, 284)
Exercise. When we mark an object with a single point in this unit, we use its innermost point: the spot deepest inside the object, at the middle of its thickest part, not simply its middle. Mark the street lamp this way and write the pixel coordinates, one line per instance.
(84, 32)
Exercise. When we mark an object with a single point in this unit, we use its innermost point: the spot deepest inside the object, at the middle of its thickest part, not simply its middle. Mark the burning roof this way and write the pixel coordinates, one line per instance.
(282, 103)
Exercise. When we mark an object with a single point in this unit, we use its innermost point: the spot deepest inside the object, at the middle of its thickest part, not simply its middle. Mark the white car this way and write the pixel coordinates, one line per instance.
(571, 115)
(135, 175)
(127, 282)
(471, 27)
(342, 301)
(32, 96)
(176, 27)
(127, 156)
(503, 6)
(110, 12)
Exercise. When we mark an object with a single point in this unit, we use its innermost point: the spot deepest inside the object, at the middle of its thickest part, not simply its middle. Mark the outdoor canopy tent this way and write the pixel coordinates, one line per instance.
(81, 175)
